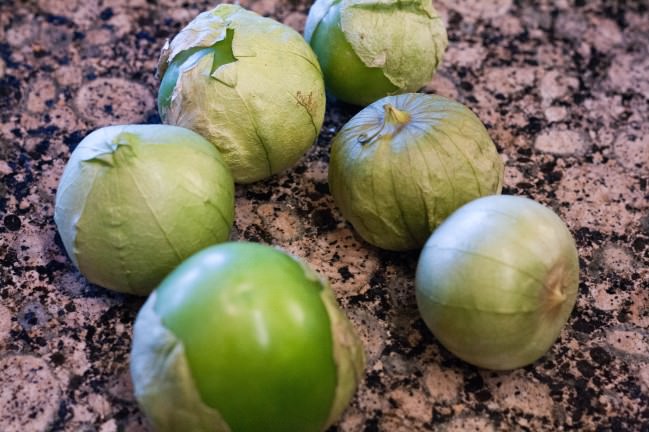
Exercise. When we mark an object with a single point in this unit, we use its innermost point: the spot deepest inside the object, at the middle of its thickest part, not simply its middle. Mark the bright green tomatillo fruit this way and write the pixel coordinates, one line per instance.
(496, 282)
(242, 337)
(371, 49)
(134, 201)
(250, 85)
(403, 164)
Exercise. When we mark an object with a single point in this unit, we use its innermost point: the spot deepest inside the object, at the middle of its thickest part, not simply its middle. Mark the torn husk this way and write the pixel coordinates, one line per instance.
(162, 380)
(349, 356)
(257, 96)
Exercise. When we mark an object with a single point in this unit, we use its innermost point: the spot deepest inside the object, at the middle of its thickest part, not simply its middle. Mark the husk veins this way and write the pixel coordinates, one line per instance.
(106, 238)
(396, 180)
(512, 286)
(259, 110)
(406, 39)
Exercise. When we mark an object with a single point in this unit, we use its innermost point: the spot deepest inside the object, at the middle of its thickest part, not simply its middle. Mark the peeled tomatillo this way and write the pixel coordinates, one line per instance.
(496, 282)
(242, 337)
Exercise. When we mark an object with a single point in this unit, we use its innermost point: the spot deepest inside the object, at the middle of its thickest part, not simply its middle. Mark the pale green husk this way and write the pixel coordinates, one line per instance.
(395, 182)
(406, 39)
(497, 281)
(262, 111)
(136, 200)
(162, 380)
(349, 355)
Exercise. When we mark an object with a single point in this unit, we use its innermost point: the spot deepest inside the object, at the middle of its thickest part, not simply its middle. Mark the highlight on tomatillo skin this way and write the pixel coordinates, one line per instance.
(497, 281)
(403, 164)
(136, 200)
(250, 85)
(242, 337)
(371, 49)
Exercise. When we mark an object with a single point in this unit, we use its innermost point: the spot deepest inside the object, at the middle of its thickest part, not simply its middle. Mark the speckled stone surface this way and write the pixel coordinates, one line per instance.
(563, 87)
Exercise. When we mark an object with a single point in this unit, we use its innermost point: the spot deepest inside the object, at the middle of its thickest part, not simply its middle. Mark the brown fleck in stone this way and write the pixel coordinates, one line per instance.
(605, 300)
(42, 92)
(628, 341)
(29, 393)
(412, 404)
(63, 117)
(373, 333)
(442, 86)
(99, 36)
(639, 309)
(281, 222)
(296, 20)
(643, 372)
(68, 75)
(562, 142)
(598, 197)
(556, 84)
(632, 151)
(114, 101)
(83, 12)
(443, 385)
(604, 33)
(510, 79)
(19, 36)
(465, 424)
(555, 114)
(5, 324)
(518, 391)
(262, 7)
(618, 259)
(465, 54)
(629, 71)
(474, 10)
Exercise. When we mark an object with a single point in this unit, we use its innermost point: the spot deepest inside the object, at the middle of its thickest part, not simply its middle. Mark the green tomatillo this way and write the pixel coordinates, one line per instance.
(403, 164)
(242, 337)
(250, 85)
(369, 49)
(496, 282)
(134, 201)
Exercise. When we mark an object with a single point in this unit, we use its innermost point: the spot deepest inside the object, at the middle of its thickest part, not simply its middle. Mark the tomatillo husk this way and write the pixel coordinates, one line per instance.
(134, 201)
(242, 337)
(250, 85)
(369, 49)
(497, 281)
(403, 164)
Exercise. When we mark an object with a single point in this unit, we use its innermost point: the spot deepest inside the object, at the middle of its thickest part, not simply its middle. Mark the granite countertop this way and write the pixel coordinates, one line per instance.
(563, 87)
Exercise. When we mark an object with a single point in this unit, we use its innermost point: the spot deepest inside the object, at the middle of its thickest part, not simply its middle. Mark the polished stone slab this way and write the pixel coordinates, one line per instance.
(563, 87)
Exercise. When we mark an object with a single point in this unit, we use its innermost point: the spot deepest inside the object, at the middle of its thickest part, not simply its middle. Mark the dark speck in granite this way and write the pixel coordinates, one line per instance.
(562, 87)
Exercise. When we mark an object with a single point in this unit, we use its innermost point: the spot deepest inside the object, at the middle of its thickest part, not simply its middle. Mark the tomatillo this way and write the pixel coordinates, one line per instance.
(242, 337)
(496, 282)
(250, 85)
(134, 201)
(371, 49)
(403, 164)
